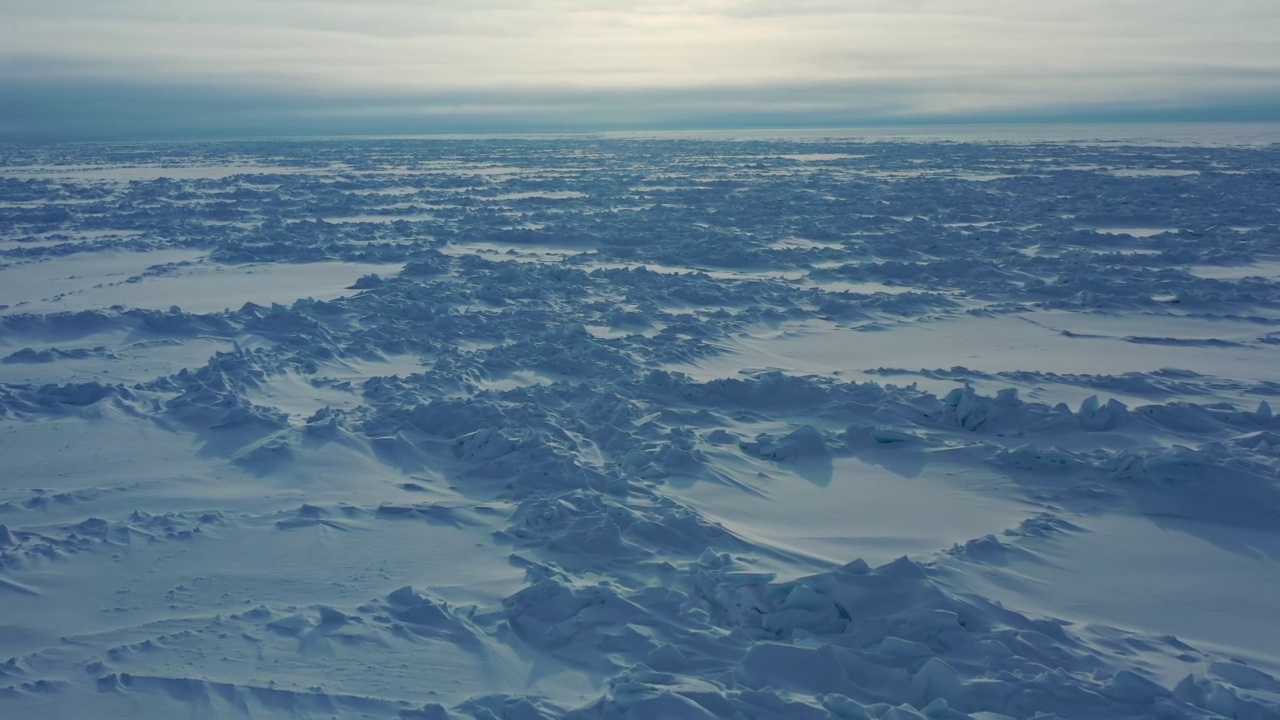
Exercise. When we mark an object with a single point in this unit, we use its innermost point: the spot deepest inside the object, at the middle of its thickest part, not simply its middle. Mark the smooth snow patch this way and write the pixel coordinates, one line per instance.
(1137, 231)
(41, 285)
(109, 358)
(545, 194)
(1120, 573)
(126, 173)
(880, 506)
(861, 288)
(1261, 268)
(819, 157)
(517, 379)
(201, 287)
(1097, 345)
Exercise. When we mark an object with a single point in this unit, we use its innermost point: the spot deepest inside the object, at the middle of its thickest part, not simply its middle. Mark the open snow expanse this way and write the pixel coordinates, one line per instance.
(641, 427)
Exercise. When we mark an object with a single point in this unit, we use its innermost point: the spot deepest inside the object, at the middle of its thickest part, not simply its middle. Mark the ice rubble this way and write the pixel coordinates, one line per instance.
(533, 456)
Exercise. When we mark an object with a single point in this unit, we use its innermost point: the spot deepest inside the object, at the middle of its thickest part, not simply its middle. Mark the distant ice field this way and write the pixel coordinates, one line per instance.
(957, 424)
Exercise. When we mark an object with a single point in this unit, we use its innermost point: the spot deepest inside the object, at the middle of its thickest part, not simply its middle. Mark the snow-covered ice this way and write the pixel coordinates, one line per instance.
(729, 425)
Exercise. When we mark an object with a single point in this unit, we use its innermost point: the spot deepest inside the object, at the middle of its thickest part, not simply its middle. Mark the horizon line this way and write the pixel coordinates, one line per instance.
(231, 135)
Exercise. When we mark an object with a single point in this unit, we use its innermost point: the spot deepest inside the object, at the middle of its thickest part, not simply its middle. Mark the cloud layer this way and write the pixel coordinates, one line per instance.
(454, 60)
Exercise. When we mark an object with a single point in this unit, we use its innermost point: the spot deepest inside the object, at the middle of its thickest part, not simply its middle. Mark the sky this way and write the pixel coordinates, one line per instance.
(121, 68)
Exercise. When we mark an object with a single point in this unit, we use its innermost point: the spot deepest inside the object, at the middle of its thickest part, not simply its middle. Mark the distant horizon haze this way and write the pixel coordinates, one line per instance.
(133, 69)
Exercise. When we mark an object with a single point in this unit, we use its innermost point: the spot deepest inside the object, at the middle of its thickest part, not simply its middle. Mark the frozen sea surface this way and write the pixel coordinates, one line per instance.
(908, 424)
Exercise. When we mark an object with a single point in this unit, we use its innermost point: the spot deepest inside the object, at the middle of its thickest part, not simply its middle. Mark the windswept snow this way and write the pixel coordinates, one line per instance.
(716, 426)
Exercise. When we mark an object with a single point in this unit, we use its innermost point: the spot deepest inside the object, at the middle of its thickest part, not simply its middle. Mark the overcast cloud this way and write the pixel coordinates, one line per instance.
(69, 66)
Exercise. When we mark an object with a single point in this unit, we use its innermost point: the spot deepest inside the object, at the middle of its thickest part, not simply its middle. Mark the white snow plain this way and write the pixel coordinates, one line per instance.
(641, 427)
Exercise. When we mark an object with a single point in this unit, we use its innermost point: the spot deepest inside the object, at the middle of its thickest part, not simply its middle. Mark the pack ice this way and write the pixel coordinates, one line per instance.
(641, 427)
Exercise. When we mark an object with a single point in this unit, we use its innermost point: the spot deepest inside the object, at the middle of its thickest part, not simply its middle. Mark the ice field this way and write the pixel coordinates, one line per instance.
(741, 426)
